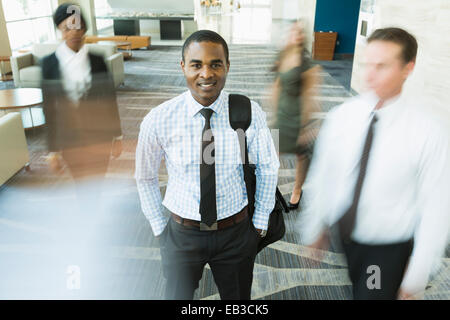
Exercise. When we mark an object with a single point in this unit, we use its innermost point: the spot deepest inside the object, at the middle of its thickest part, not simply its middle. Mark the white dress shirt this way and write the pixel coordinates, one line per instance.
(75, 70)
(173, 131)
(407, 184)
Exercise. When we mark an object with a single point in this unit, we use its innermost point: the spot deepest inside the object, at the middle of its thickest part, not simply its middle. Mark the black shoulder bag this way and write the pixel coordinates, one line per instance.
(240, 114)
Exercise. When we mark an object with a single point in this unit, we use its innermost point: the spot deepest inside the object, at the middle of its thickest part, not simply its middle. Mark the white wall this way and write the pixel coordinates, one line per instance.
(286, 9)
(296, 9)
(429, 22)
(307, 12)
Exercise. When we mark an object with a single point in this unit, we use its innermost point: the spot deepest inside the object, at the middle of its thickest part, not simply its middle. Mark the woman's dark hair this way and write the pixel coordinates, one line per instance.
(399, 36)
(205, 36)
(66, 10)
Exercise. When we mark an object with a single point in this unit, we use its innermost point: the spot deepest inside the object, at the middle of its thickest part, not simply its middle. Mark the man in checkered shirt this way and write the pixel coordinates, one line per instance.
(198, 228)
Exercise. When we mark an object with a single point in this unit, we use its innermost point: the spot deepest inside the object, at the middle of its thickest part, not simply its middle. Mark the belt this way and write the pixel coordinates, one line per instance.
(221, 224)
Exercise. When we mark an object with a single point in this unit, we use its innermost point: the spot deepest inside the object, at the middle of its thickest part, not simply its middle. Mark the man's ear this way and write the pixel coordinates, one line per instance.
(228, 66)
(182, 65)
(409, 67)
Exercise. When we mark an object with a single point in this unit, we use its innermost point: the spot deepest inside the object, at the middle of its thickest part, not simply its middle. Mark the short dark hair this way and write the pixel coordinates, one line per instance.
(63, 12)
(205, 36)
(399, 36)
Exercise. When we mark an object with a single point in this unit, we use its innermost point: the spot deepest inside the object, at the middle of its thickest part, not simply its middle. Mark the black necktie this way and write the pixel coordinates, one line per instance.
(347, 221)
(208, 209)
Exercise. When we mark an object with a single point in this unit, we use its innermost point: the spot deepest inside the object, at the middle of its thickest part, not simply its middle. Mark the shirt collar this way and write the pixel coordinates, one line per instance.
(195, 107)
(390, 108)
(65, 54)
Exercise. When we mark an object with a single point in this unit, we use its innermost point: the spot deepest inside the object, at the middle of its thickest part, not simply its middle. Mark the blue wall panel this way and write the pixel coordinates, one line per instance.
(340, 16)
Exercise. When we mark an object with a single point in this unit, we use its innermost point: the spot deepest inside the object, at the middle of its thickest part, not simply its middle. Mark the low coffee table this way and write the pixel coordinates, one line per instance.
(27, 101)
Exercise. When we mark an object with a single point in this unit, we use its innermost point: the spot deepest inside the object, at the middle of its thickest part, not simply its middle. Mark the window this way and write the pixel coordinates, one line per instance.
(102, 8)
(29, 21)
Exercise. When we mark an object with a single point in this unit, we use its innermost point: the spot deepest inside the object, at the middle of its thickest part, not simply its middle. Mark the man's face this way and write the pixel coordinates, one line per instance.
(205, 69)
(385, 71)
(72, 32)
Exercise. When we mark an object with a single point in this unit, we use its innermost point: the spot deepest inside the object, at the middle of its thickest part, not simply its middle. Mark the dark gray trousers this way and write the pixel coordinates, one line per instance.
(229, 252)
(364, 261)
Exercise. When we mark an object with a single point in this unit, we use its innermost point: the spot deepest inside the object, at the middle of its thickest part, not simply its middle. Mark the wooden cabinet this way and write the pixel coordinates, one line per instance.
(324, 44)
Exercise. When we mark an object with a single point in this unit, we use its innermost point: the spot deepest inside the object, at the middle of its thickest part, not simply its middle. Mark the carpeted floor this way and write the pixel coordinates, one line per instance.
(118, 257)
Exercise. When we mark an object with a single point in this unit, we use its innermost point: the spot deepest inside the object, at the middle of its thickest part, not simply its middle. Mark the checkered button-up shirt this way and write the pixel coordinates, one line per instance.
(173, 130)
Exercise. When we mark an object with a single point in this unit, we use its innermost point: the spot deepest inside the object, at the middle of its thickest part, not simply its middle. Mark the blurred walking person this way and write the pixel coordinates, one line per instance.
(83, 132)
(380, 178)
(293, 97)
(79, 103)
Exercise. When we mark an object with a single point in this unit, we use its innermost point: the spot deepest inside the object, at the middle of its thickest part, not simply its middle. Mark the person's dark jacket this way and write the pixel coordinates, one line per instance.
(95, 120)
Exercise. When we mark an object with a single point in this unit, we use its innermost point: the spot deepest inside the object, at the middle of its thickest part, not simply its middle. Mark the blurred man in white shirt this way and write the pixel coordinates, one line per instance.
(380, 177)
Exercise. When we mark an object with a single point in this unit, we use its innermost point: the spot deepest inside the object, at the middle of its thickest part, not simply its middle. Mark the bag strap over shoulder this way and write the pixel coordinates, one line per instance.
(240, 111)
(240, 114)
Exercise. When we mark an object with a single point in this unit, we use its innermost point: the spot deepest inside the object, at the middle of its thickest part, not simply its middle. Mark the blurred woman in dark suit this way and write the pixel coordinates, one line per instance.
(83, 132)
(79, 102)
